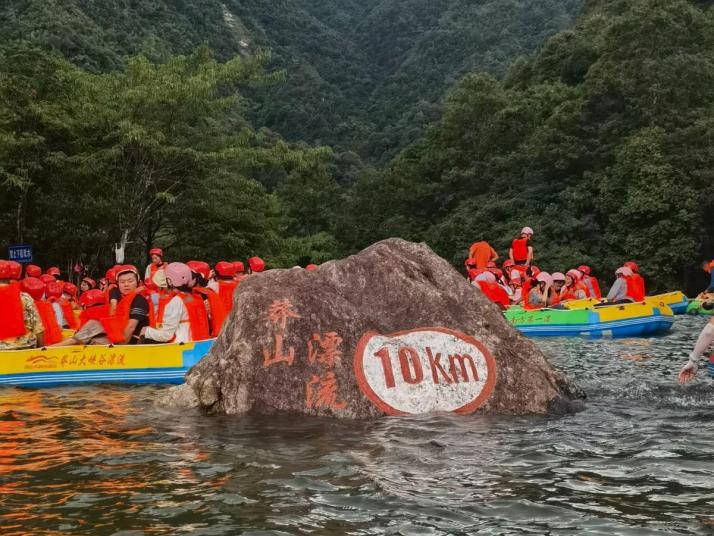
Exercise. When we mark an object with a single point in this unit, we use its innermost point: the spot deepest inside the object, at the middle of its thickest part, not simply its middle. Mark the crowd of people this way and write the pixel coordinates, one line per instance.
(173, 302)
(518, 281)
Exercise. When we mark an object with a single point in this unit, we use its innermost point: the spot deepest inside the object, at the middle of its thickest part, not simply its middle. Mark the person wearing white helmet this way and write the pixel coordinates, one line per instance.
(618, 291)
(521, 252)
(183, 318)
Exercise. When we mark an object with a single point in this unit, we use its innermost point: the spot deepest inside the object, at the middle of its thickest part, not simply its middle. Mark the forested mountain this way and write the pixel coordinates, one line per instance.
(603, 142)
(362, 76)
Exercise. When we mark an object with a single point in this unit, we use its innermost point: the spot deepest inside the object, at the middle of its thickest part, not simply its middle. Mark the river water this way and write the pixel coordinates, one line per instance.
(639, 460)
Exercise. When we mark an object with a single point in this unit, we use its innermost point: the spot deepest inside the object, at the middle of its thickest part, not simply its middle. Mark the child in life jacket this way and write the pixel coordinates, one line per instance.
(182, 316)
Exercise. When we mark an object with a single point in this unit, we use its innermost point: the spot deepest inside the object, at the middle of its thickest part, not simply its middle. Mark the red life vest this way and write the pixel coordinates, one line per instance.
(571, 293)
(495, 293)
(555, 298)
(53, 331)
(595, 286)
(525, 292)
(12, 315)
(520, 249)
(218, 310)
(147, 294)
(197, 315)
(68, 313)
(225, 291)
(635, 287)
(115, 325)
(97, 312)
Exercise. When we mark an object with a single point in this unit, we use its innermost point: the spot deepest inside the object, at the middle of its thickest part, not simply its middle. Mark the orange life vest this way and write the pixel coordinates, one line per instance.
(147, 294)
(494, 292)
(571, 293)
(636, 287)
(12, 316)
(97, 312)
(218, 310)
(197, 315)
(520, 249)
(115, 325)
(554, 298)
(225, 291)
(53, 331)
(595, 286)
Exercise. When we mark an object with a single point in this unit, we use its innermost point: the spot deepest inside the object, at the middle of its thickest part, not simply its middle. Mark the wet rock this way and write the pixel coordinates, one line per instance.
(392, 330)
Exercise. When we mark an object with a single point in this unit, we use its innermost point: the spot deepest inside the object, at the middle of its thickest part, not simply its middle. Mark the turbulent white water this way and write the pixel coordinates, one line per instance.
(639, 460)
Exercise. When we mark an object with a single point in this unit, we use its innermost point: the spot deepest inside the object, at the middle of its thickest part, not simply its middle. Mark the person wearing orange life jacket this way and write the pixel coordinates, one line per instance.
(183, 318)
(125, 324)
(486, 281)
(225, 271)
(573, 289)
(619, 292)
(157, 262)
(540, 293)
(94, 306)
(20, 324)
(590, 282)
(87, 284)
(53, 296)
(559, 281)
(111, 291)
(68, 302)
(215, 310)
(636, 283)
(52, 330)
(482, 253)
(521, 252)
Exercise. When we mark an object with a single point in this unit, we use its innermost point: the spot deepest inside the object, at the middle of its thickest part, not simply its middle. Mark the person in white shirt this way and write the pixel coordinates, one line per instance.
(175, 323)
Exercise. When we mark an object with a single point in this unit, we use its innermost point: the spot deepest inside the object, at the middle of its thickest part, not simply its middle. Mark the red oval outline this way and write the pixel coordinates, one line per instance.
(390, 410)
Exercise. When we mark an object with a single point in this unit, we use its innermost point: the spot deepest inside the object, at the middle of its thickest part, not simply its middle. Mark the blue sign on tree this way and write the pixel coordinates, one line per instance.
(20, 253)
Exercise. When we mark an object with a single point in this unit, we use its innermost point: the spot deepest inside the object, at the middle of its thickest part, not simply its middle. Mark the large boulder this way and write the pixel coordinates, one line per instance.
(391, 330)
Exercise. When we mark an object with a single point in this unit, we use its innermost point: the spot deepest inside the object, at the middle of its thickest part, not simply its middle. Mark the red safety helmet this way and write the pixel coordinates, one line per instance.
(584, 269)
(53, 290)
(239, 267)
(535, 271)
(53, 271)
(34, 287)
(15, 270)
(157, 251)
(508, 263)
(311, 267)
(632, 266)
(92, 297)
(225, 269)
(69, 288)
(111, 276)
(91, 282)
(200, 267)
(47, 279)
(126, 269)
(32, 270)
(5, 269)
(256, 264)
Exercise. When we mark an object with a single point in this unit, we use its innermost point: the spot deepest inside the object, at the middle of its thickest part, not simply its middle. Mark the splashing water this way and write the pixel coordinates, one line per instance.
(103, 460)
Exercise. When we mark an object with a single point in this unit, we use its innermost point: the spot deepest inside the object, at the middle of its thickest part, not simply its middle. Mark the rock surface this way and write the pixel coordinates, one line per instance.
(391, 330)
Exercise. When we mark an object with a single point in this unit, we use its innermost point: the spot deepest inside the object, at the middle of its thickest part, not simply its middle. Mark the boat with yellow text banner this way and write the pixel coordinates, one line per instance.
(141, 363)
(627, 320)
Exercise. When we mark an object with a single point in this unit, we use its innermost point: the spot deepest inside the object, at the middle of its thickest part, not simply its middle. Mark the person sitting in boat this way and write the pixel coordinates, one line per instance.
(68, 302)
(157, 262)
(225, 271)
(590, 282)
(212, 302)
(486, 281)
(125, 324)
(53, 296)
(52, 330)
(20, 323)
(618, 291)
(573, 289)
(705, 339)
(521, 252)
(540, 293)
(94, 306)
(559, 281)
(515, 283)
(87, 284)
(481, 253)
(635, 283)
(182, 318)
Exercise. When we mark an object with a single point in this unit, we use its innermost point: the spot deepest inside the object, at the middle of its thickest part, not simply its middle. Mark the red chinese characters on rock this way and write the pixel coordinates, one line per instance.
(278, 314)
(321, 392)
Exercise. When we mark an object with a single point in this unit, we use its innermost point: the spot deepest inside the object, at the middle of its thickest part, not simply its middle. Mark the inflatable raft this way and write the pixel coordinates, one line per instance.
(629, 320)
(150, 363)
(676, 301)
(695, 308)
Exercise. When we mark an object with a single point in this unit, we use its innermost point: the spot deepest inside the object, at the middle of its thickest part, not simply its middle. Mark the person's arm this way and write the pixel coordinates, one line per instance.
(494, 255)
(530, 255)
(510, 254)
(615, 289)
(706, 337)
(172, 319)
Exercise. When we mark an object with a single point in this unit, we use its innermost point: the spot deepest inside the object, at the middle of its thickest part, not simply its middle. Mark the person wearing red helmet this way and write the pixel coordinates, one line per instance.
(87, 284)
(481, 253)
(68, 302)
(636, 283)
(32, 270)
(240, 271)
(182, 318)
(94, 306)
(157, 262)
(590, 281)
(256, 265)
(53, 296)
(212, 302)
(54, 272)
(124, 325)
(521, 252)
(20, 323)
(52, 330)
(226, 284)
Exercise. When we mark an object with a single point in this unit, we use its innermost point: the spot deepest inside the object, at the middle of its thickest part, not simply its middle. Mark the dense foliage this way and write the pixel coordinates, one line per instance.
(602, 143)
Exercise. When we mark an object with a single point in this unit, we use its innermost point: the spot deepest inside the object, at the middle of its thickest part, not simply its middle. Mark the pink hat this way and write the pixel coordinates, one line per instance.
(527, 230)
(623, 271)
(544, 277)
(558, 276)
(178, 273)
(575, 274)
